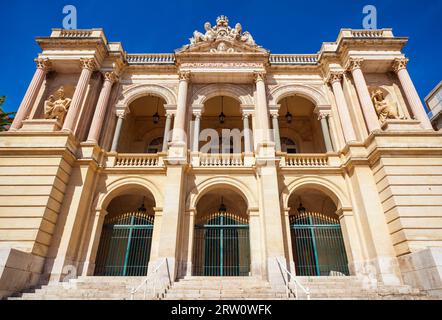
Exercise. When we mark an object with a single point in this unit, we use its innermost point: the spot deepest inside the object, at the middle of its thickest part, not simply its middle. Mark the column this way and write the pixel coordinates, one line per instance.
(196, 132)
(400, 67)
(246, 129)
(180, 118)
(277, 137)
(261, 109)
(87, 67)
(341, 103)
(89, 264)
(117, 132)
(325, 131)
(364, 96)
(43, 66)
(100, 110)
(167, 130)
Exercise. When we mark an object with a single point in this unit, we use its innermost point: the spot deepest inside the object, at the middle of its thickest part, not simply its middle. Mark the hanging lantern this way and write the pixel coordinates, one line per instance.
(142, 208)
(222, 207)
(156, 116)
(222, 116)
(288, 115)
(301, 209)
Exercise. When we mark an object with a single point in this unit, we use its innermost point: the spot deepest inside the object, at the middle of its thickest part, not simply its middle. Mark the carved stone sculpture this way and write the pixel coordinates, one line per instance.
(57, 109)
(222, 32)
(384, 109)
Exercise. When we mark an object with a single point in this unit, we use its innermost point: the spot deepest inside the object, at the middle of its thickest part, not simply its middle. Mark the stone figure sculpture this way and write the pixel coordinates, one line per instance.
(57, 109)
(384, 109)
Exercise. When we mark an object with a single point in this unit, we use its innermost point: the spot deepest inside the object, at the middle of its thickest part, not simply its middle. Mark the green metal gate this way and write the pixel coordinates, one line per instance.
(125, 243)
(221, 246)
(318, 245)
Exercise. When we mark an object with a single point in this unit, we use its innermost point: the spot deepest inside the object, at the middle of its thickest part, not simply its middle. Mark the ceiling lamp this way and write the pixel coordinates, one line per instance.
(222, 116)
(156, 116)
(301, 209)
(142, 208)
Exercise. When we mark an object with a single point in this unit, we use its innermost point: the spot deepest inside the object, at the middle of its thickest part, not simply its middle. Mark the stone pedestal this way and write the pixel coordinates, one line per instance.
(401, 125)
(41, 125)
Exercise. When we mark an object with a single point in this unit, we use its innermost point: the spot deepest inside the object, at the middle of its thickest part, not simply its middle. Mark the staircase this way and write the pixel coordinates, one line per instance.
(219, 288)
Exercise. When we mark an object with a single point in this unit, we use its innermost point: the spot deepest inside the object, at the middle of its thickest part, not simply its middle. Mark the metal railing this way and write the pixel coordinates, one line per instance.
(288, 278)
(157, 284)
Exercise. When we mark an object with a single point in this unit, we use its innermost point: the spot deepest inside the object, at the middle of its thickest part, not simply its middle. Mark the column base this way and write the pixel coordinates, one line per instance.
(177, 153)
(423, 270)
(47, 125)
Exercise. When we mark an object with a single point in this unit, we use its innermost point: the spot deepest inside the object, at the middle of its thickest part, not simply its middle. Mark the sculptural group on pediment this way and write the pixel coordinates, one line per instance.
(222, 31)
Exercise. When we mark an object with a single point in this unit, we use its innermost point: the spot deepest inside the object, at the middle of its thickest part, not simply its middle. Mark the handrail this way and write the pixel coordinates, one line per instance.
(297, 283)
(146, 280)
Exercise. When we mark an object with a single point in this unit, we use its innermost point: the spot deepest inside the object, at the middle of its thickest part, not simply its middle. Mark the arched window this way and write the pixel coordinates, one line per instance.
(155, 146)
(288, 145)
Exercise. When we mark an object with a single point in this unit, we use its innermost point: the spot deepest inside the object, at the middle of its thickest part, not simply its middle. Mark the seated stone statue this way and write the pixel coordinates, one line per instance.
(57, 109)
(384, 109)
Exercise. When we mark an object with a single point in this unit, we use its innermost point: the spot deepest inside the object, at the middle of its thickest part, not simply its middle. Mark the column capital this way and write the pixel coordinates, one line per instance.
(121, 114)
(184, 75)
(245, 115)
(88, 63)
(354, 63)
(399, 64)
(323, 115)
(274, 114)
(43, 63)
(335, 76)
(169, 114)
(259, 76)
(111, 77)
(197, 114)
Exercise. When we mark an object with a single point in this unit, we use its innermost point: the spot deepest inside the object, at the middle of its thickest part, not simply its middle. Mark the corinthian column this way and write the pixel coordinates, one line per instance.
(43, 65)
(341, 103)
(100, 110)
(87, 66)
(364, 96)
(180, 118)
(167, 130)
(261, 108)
(400, 67)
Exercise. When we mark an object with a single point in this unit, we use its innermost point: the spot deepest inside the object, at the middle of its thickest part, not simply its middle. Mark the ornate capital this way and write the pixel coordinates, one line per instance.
(111, 77)
(43, 63)
(354, 63)
(88, 63)
(259, 76)
(335, 76)
(245, 115)
(184, 75)
(323, 115)
(399, 64)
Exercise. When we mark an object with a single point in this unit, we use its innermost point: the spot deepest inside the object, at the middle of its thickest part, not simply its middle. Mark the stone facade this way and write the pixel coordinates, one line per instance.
(343, 131)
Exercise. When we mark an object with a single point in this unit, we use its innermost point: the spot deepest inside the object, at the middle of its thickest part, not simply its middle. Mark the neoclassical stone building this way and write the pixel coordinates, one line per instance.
(221, 159)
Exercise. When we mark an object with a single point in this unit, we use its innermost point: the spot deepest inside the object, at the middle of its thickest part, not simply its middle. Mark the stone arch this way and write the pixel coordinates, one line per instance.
(237, 92)
(313, 94)
(119, 186)
(140, 90)
(332, 190)
(221, 181)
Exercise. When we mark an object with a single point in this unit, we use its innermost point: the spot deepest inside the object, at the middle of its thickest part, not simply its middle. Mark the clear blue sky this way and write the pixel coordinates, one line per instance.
(163, 25)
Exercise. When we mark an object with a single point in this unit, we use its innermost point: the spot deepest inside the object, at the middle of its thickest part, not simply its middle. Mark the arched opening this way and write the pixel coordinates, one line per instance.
(143, 127)
(221, 126)
(126, 236)
(317, 242)
(299, 128)
(221, 245)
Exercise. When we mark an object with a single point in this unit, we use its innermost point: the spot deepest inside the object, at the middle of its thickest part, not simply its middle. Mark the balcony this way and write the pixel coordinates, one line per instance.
(315, 161)
(135, 160)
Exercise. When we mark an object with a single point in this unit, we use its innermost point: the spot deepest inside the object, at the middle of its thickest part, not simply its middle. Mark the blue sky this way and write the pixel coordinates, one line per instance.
(162, 26)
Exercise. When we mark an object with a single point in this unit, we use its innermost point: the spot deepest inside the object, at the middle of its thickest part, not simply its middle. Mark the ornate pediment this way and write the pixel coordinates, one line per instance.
(222, 38)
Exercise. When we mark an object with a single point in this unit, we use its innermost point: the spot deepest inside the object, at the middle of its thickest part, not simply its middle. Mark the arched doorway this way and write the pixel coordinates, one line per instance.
(317, 242)
(126, 237)
(221, 245)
